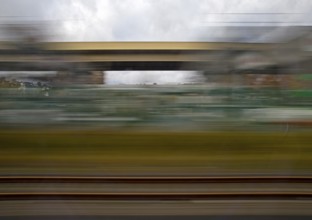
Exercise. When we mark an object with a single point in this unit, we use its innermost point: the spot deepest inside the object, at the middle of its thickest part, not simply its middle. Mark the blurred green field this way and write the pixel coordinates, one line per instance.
(97, 151)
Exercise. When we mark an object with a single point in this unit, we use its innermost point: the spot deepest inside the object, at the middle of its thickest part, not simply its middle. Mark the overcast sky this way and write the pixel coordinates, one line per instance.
(153, 20)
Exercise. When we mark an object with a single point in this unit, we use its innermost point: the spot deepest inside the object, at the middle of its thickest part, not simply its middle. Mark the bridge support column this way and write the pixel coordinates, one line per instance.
(97, 77)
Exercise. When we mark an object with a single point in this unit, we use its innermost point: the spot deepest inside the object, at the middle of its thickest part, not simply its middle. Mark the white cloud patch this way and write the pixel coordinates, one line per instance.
(153, 20)
(168, 20)
(149, 77)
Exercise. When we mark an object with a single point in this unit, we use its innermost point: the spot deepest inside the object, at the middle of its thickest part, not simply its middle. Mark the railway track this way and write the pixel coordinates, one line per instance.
(178, 188)
(155, 195)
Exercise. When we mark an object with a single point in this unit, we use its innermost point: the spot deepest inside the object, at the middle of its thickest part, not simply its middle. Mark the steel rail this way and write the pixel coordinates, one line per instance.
(156, 179)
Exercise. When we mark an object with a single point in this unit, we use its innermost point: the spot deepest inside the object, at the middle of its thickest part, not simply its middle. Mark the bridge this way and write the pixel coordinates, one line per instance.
(119, 55)
(102, 56)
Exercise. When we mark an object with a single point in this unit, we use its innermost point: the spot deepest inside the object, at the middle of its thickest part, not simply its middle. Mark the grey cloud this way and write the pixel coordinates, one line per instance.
(161, 20)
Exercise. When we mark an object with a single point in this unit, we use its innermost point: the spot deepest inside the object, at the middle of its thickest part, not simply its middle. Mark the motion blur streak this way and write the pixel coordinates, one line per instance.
(245, 112)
